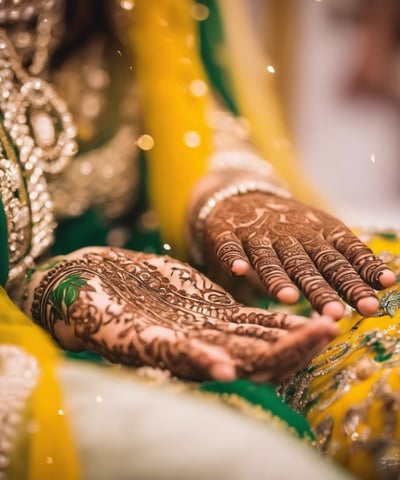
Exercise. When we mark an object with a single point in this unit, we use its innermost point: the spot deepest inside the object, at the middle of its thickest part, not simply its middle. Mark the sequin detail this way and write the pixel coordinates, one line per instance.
(350, 393)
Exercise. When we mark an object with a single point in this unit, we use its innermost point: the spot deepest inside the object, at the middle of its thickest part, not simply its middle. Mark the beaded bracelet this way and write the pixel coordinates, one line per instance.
(228, 192)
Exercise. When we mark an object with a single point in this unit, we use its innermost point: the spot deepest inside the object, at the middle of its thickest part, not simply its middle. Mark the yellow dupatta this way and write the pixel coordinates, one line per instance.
(50, 449)
(164, 38)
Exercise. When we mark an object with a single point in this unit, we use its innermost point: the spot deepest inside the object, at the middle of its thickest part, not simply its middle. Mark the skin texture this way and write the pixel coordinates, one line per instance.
(141, 309)
(292, 245)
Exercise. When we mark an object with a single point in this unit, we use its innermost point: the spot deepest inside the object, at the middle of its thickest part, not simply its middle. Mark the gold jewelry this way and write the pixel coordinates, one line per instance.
(37, 136)
(106, 174)
(33, 44)
(106, 177)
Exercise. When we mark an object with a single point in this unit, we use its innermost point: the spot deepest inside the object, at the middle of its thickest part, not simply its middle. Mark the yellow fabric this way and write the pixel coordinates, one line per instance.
(164, 39)
(255, 92)
(51, 451)
(163, 35)
(351, 392)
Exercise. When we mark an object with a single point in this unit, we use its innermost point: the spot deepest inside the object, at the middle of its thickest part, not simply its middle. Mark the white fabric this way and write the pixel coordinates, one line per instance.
(126, 429)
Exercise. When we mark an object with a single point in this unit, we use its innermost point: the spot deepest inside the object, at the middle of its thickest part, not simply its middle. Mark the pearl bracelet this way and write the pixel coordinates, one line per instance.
(228, 192)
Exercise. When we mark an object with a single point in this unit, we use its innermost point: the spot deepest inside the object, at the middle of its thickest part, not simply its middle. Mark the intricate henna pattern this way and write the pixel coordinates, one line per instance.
(137, 308)
(286, 241)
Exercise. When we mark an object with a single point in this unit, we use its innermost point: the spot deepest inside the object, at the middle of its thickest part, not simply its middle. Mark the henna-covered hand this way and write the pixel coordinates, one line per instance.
(140, 309)
(289, 243)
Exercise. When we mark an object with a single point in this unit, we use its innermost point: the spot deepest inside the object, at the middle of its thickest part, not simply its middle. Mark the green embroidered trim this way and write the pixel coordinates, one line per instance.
(4, 259)
(265, 397)
(85, 356)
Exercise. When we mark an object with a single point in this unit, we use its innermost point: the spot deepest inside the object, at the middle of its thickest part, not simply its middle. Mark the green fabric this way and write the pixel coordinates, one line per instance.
(265, 396)
(4, 260)
(88, 229)
(85, 356)
(212, 51)
(91, 228)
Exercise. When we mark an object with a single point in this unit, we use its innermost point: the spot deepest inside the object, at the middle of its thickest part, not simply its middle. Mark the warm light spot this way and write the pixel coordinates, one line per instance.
(60, 412)
(32, 426)
(149, 221)
(198, 88)
(244, 125)
(99, 399)
(185, 61)
(270, 69)
(373, 158)
(200, 12)
(127, 4)
(117, 237)
(281, 143)
(192, 139)
(85, 168)
(166, 246)
(145, 142)
(49, 460)
(190, 40)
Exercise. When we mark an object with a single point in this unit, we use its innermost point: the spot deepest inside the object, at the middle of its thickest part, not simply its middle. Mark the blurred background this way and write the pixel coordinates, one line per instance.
(337, 64)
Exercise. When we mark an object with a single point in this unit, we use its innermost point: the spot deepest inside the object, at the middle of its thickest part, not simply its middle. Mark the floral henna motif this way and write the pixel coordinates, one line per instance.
(135, 308)
(286, 241)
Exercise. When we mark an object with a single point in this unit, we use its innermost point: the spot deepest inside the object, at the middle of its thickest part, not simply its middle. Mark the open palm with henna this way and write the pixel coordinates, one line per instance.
(141, 309)
(292, 245)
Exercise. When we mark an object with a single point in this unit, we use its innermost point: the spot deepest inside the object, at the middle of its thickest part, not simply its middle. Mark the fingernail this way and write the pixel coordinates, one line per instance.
(333, 309)
(387, 278)
(239, 268)
(288, 295)
(368, 306)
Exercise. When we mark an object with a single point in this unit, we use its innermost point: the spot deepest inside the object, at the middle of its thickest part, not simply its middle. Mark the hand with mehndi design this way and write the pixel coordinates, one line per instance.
(292, 245)
(141, 309)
